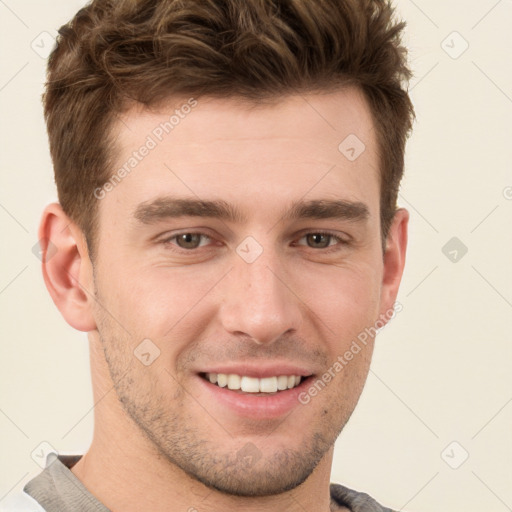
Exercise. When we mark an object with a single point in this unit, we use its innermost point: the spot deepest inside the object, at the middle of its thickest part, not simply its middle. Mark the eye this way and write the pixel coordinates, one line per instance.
(321, 240)
(189, 240)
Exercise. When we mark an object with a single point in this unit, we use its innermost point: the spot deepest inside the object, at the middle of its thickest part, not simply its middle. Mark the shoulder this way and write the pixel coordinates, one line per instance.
(354, 500)
(20, 502)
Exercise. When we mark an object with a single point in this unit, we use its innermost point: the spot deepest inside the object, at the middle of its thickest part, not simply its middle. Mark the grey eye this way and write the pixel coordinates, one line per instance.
(189, 240)
(318, 240)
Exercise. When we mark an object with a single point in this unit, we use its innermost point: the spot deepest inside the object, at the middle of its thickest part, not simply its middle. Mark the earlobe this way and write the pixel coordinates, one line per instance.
(67, 269)
(394, 260)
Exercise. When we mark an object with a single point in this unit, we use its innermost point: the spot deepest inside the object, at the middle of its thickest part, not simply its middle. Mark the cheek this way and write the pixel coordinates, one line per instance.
(345, 298)
(156, 303)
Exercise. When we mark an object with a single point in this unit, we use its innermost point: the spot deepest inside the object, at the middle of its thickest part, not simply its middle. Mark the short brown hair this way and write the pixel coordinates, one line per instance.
(116, 53)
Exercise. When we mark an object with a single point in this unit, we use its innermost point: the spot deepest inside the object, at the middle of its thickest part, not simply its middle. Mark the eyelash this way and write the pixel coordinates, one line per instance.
(329, 248)
(341, 242)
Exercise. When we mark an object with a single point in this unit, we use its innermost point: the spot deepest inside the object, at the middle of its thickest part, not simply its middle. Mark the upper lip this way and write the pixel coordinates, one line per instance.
(259, 370)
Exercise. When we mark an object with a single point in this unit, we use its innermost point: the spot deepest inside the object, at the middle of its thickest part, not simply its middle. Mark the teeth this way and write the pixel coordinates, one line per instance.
(233, 381)
(282, 382)
(222, 380)
(250, 384)
(268, 385)
(253, 384)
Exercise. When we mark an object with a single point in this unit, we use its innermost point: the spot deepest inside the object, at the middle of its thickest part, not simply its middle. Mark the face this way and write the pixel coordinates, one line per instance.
(242, 250)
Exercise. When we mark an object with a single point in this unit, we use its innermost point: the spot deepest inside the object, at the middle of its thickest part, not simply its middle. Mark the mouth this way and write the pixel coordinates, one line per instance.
(242, 384)
(259, 392)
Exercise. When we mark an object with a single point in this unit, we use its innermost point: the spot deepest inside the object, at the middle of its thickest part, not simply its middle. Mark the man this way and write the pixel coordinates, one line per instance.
(227, 234)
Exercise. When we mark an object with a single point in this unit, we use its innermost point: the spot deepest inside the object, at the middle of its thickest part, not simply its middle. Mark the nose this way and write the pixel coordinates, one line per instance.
(259, 302)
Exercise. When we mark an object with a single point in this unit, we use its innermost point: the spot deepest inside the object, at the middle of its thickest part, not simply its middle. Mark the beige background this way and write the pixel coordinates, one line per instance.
(442, 368)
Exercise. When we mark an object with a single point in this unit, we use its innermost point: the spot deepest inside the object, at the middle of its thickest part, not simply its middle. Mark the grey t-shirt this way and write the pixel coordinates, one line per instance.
(57, 489)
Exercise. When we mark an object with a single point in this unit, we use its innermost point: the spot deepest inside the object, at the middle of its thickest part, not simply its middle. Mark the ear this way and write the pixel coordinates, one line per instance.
(67, 269)
(394, 262)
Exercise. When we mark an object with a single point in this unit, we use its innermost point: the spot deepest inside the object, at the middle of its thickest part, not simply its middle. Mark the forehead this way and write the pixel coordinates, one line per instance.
(316, 144)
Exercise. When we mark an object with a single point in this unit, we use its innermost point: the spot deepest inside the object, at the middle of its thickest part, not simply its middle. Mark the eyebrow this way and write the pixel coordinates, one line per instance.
(169, 207)
(328, 209)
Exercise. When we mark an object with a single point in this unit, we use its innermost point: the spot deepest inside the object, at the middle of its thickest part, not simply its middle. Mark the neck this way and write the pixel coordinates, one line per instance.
(121, 480)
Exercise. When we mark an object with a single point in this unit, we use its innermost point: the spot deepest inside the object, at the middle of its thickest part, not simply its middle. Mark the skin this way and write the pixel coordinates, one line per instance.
(156, 430)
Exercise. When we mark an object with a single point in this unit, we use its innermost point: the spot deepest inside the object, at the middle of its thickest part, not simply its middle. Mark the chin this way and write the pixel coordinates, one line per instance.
(283, 472)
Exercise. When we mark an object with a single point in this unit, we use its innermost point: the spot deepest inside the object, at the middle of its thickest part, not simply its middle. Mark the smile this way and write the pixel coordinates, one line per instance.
(248, 384)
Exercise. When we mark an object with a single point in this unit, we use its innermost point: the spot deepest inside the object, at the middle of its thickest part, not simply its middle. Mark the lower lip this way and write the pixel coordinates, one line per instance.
(255, 406)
